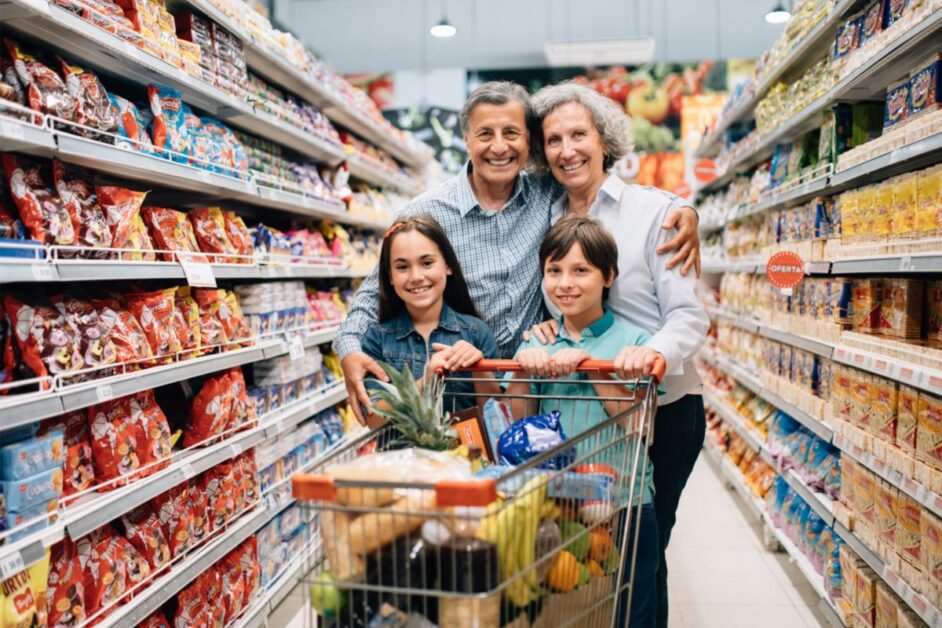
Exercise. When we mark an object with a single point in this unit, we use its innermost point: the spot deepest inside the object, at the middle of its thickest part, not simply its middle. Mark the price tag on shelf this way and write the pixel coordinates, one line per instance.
(295, 348)
(890, 577)
(12, 565)
(204, 176)
(188, 471)
(235, 449)
(104, 392)
(881, 366)
(11, 130)
(935, 382)
(198, 274)
(919, 603)
(905, 263)
(42, 272)
(909, 485)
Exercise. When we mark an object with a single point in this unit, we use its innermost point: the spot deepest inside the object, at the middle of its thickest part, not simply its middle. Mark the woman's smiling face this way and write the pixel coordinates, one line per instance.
(573, 147)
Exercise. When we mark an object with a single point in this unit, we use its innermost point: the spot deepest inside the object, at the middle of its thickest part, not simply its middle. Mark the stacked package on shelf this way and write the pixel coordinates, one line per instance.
(222, 56)
(30, 480)
(785, 100)
(816, 461)
(156, 26)
(290, 109)
(806, 14)
(282, 381)
(279, 307)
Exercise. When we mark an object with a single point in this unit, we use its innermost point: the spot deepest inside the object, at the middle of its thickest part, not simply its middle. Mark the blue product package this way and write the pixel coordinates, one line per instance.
(897, 104)
(893, 11)
(169, 131)
(31, 456)
(266, 478)
(20, 495)
(296, 542)
(291, 520)
(871, 22)
(532, 436)
(925, 85)
(35, 518)
(565, 485)
(18, 433)
(497, 419)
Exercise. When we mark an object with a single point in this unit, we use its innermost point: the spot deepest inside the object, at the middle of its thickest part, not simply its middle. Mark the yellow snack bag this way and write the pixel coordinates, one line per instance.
(929, 201)
(884, 211)
(849, 217)
(17, 602)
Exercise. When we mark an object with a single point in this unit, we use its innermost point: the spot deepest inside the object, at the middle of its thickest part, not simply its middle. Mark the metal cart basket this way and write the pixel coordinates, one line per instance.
(542, 543)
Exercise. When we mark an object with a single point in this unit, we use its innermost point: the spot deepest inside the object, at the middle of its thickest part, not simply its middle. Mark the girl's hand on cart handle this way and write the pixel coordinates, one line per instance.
(356, 366)
(546, 332)
(566, 361)
(535, 361)
(457, 356)
(635, 362)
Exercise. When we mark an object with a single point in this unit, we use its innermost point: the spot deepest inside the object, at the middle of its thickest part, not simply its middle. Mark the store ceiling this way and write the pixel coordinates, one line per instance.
(382, 35)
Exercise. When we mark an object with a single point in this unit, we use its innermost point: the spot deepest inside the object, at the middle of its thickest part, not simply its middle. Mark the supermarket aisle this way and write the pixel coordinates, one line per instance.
(721, 574)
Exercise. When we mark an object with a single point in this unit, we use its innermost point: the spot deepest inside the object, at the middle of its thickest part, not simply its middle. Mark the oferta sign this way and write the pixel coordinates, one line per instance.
(785, 270)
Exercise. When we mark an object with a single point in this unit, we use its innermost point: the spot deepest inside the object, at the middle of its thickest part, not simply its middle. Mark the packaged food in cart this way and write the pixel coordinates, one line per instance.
(46, 92)
(93, 104)
(89, 222)
(43, 212)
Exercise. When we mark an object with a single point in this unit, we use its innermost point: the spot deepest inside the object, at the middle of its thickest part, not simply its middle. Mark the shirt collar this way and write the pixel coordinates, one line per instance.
(611, 190)
(447, 321)
(595, 329)
(465, 186)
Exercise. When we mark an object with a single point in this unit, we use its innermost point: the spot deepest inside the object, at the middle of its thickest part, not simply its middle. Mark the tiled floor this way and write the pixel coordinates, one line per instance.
(721, 576)
(720, 573)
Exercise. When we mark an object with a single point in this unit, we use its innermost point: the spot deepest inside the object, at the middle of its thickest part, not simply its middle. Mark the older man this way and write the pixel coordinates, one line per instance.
(495, 216)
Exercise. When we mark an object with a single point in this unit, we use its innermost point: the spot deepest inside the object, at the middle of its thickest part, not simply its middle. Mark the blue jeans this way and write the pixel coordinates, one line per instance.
(644, 580)
(679, 429)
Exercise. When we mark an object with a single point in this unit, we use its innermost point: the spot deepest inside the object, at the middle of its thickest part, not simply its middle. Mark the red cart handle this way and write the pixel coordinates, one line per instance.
(586, 366)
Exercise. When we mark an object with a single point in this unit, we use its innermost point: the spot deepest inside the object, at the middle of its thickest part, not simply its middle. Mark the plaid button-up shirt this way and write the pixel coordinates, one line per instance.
(497, 252)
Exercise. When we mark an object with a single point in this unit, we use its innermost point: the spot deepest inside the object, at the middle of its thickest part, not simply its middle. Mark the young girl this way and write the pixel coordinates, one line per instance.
(427, 319)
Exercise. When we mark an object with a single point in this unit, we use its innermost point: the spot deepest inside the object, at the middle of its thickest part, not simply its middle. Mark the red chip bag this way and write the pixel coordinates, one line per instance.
(173, 510)
(78, 470)
(249, 490)
(47, 342)
(199, 510)
(44, 214)
(240, 402)
(187, 324)
(210, 410)
(155, 312)
(94, 107)
(155, 620)
(238, 234)
(88, 219)
(120, 206)
(45, 91)
(233, 592)
(212, 331)
(171, 231)
(114, 442)
(219, 485)
(209, 225)
(248, 565)
(133, 349)
(236, 318)
(94, 341)
(143, 530)
(105, 574)
(140, 242)
(192, 608)
(65, 593)
(152, 432)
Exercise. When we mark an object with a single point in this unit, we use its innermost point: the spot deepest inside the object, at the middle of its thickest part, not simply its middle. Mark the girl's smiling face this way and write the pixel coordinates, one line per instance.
(417, 272)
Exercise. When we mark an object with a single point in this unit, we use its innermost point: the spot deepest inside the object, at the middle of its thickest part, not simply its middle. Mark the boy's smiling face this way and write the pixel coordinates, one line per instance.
(576, 286)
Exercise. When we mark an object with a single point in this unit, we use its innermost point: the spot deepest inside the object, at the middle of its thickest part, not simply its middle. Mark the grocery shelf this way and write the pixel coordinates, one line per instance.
(926, 498)
(819, 502)
(916, 375)
(728, 266)
(742, 322)
(734, 478)
(929, 613)
(919, 154)
(915, 263)
(362, 168)
(264, 124)
(818, 347)
(23, 553)
(300, 204)
(738, 423)
(257, 615)
(20, 409)
(24, 137)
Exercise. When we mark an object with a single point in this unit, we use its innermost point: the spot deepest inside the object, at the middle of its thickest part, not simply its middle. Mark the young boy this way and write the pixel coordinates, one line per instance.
(579, 261)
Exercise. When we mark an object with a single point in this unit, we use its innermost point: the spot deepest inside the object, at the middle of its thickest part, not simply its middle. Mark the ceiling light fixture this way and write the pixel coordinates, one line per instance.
(778, 15)
(443, 29)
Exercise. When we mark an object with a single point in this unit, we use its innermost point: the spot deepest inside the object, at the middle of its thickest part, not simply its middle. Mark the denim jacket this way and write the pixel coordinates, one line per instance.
(396, 342)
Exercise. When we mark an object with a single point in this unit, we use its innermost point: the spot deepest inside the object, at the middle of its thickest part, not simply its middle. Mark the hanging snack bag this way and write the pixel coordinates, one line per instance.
(169, 128)
(209, 226)
(152, 432)
(155, 620)
(45, 91)
(43, 213)
(65, 594)
(17, 602)
(199, 509)
(140, 242)
(210, 411)
(201, 143)
(78, 470)
(120, 206)
(238, 234)
(115, 447)
(89, 222)
(133, 350)
(172, 232)
(189, 316)
(155, 311)
(143, 530)
(173, 510)
(94, 342)
(233, 319)
(211, 327)
(94, 106)
(113, 568)
(47, 342)
(131, 126)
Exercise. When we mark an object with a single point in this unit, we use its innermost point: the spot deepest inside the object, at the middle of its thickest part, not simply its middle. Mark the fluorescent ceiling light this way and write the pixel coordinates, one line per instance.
(443, 29)
(604, 52)
(778, 15)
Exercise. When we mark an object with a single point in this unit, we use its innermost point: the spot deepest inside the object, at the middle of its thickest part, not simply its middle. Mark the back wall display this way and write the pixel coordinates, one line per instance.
(437, 127)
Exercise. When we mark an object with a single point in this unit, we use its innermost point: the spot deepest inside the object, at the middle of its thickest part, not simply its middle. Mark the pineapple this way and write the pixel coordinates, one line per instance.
(416, 414)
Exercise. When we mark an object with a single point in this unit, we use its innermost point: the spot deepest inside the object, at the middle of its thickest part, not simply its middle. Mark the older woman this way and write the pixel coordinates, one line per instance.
(579, 135)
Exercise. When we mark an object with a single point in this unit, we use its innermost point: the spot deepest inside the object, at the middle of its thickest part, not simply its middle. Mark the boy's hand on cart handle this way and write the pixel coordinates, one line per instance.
(457, 356)
(545, 332)
(565, 361)
(356, 366)
(635, 362)
(686, 242)
(535, 361)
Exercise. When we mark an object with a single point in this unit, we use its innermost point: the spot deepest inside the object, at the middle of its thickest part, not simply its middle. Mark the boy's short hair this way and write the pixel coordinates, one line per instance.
(598, 244)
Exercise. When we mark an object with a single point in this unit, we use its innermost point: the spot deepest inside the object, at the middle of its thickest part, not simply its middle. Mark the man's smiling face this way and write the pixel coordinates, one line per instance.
(498, 142)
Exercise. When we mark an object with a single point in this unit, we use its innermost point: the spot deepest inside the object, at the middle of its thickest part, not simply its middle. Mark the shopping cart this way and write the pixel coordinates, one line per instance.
(540, 544)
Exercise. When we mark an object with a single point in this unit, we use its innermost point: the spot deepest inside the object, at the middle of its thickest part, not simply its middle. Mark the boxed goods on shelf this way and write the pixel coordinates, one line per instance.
(817, 462)
(784, 101)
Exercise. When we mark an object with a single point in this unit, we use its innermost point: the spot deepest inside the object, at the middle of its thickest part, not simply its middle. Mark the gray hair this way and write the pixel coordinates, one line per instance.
(495, 93)
(610, 120)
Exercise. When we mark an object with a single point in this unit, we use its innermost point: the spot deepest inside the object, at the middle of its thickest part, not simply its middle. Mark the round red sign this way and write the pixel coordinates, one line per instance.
(785, 269)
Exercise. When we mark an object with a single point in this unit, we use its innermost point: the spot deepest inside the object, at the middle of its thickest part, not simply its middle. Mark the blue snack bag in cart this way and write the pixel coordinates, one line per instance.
(533, 436)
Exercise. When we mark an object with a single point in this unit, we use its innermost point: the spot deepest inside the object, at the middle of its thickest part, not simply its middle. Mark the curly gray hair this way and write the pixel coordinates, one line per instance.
(494, 93)
(610, 120)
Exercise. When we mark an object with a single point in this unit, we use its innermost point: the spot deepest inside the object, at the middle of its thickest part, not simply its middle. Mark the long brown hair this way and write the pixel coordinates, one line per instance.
(456, 293)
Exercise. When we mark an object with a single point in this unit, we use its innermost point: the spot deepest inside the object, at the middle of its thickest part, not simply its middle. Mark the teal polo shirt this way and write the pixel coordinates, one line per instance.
(602, 340)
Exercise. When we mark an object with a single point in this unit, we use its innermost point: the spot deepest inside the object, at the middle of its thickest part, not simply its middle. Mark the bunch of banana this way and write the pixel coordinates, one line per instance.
(512, 528)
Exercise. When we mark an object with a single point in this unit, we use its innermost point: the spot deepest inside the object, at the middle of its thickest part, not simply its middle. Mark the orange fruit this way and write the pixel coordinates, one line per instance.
(595, 569)
(564, 574)
(600, 544)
